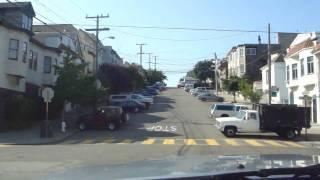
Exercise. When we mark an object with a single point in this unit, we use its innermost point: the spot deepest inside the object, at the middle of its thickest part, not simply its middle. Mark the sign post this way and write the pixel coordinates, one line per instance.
(47, 94)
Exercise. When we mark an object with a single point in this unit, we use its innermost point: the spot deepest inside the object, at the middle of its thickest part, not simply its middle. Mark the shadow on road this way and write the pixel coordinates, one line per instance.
(162, 104)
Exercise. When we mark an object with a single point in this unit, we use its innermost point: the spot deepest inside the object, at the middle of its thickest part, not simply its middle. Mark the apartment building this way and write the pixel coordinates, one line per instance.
(247, 59)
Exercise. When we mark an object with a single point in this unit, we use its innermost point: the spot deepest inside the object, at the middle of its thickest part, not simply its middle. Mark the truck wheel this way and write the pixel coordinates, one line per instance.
(230, 131)
(203, 99)
(290, 134)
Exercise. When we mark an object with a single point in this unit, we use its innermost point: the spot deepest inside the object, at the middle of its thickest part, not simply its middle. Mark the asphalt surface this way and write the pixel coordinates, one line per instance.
(177, 125)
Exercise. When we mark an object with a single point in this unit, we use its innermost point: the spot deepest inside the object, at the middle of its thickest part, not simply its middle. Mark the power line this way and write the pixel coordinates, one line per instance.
(177, 40)
(52, 11)
(183, 28)
(76, 5)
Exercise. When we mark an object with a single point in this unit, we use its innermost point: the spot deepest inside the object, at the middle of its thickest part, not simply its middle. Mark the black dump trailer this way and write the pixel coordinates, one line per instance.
(287, 120)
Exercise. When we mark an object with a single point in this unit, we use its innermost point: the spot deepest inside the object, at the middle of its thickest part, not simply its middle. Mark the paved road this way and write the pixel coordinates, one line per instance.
(176, 125)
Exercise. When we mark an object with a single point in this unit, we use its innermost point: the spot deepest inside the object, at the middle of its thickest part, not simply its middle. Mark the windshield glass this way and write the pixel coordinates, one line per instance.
(241, 114)
(176, 71)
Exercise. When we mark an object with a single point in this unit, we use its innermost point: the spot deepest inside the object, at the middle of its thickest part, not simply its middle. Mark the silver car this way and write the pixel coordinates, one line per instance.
(210, 97)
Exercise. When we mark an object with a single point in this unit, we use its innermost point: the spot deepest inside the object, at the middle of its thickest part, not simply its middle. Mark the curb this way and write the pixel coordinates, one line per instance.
(48, 142)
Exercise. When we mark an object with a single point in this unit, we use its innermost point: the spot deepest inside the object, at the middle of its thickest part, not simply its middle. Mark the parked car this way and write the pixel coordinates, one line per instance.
(152, 91)
(210, 97)
(130, 105)
(109, 117)
(226, 109)
(125, 97)
(285, 120)
(196, 93)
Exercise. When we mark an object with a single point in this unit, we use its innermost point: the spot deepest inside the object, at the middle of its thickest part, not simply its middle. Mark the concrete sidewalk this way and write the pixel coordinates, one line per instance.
(31, 136)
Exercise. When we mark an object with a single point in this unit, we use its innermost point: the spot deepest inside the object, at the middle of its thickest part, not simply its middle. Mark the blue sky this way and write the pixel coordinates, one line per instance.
(179, 50)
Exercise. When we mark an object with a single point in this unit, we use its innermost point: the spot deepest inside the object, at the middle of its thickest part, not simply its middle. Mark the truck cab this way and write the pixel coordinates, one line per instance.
(243, 121)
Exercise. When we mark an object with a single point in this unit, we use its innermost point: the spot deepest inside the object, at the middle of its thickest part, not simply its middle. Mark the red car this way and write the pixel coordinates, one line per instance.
(109, 117)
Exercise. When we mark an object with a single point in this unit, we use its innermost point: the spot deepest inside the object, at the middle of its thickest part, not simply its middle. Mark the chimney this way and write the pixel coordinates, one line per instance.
(259, 39)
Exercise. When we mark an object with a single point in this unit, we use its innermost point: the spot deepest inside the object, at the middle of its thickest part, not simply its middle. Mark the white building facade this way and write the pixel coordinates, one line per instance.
(302, 73)
(278, 80)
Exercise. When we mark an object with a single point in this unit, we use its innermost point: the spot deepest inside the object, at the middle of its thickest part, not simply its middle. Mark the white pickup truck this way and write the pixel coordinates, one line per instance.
(287, 121)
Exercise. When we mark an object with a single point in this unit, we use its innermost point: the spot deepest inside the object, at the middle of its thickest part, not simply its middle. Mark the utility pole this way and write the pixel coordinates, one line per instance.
(155, 62)
(215, 72)
(149, 59)
(269, 65)
(97, 29)
(140, 53)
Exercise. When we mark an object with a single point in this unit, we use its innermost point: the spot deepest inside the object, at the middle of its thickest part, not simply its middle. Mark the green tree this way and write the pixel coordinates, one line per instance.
(191, 73)
(153, 76)
(121, 79)
(73, 84)
(204, 70)
(232, 85)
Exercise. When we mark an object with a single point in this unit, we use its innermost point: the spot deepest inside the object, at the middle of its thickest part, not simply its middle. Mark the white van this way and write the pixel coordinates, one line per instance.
(225, 109)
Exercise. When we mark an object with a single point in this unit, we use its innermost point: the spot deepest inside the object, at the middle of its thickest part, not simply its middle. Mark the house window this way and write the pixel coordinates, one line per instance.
(251, 51)
(241, 68)
(30, 59)
(294, 71)
(13, 49)
(241, 52)
(288, 73)
(267, 76)
(25, 52)
(26, 22)
(310, 64)
(302, 67)
(47, 64)
(35, 61)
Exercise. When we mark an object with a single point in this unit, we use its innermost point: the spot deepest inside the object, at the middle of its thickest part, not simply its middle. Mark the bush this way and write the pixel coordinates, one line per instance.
(21, 112)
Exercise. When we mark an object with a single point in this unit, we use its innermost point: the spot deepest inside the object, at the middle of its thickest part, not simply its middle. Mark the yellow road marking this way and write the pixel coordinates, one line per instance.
(274, 143)
(293, 144)
(148, 141)
(253, 142)
(88, 141)
(190, 142)
(212, 142)
(231, 142)
(125, 141)
(168, 141)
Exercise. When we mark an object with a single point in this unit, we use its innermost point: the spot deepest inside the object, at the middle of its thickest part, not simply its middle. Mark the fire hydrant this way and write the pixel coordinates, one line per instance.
(63, 126)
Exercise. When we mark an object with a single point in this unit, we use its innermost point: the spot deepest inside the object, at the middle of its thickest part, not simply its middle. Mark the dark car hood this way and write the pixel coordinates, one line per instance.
(187, 166)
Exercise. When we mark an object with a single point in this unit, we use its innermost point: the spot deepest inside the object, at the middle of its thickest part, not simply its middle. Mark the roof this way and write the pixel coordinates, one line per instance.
(40, 44)
(298, 47)
(24, 6)
(54, 28)
(316, 49)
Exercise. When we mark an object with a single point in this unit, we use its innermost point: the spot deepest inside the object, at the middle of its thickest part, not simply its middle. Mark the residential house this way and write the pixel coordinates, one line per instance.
(62, 36)
(88, 46)
(247, 59)
(222, 71)
(110, 56)
(27, 64)
(278, 79)
(302, 72)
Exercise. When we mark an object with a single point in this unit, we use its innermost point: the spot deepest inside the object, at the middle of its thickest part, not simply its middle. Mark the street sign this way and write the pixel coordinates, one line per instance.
(47, 94)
